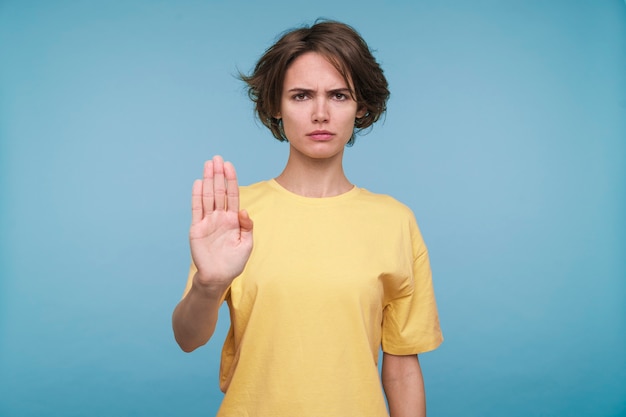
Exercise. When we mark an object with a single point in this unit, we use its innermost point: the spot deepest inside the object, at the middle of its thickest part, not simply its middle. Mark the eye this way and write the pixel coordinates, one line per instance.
(300, 96)
(340, 96)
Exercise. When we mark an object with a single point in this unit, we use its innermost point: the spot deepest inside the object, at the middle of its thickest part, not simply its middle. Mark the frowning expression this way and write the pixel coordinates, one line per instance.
(317, 108)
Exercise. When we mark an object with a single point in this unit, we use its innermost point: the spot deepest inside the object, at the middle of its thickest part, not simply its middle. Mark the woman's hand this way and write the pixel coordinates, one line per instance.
(220, 235)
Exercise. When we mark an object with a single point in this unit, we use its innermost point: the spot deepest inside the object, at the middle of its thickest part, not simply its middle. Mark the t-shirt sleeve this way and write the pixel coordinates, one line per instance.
(192, 272)
(410, 321)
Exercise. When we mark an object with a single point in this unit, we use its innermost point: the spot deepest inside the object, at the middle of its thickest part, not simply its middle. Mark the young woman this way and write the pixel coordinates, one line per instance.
(332, 272)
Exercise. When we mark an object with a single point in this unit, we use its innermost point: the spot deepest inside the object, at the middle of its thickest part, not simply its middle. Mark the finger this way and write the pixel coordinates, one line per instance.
(196, 202)
(232, 188)
(245, 222)
(219, 187)
(207, 189)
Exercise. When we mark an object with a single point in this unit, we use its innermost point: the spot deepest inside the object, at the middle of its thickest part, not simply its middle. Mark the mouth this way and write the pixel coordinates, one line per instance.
(320, 135)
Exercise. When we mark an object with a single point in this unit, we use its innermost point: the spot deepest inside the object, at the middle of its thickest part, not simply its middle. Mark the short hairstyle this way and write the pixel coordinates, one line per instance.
(344, 48)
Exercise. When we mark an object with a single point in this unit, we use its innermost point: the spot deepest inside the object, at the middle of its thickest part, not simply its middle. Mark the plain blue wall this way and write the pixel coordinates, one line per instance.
(506, 134)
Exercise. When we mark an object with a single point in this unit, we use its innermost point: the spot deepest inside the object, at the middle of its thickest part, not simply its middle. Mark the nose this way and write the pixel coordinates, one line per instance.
(320, 110)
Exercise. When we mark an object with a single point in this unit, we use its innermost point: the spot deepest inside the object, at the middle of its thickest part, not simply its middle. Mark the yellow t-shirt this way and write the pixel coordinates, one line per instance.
(329, 281)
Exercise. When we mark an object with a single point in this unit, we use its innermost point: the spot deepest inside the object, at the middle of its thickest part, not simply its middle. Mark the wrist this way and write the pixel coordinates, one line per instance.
(208, 288)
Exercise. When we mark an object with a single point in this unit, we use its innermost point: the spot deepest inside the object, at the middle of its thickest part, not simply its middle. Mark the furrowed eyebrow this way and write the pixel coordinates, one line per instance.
(341, 90)
(299, 90)
(309, 91)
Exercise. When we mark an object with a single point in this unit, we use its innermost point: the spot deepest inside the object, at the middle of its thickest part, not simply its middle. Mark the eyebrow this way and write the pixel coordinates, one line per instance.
(308, 90)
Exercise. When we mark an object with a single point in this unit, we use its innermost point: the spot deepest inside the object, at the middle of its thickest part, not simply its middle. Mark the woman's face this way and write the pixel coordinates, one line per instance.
(316, 108)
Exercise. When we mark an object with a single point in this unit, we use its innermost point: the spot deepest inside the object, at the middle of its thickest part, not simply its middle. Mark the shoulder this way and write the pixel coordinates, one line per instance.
(253, 192)
(394, 215)
(257, 186)
(384, 203)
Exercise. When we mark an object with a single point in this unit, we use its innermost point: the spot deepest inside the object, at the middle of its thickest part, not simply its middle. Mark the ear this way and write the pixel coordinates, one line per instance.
(361, 112)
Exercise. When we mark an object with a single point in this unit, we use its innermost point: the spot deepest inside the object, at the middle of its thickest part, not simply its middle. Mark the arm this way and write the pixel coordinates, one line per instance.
(221, 242)
(195, 316)
(404, 386)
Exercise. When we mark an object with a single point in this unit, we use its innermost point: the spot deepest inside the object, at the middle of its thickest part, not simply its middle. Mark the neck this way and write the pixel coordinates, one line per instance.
(314, 177)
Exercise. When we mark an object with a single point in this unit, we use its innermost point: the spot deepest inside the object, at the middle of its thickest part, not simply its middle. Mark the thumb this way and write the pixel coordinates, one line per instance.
(245, 222)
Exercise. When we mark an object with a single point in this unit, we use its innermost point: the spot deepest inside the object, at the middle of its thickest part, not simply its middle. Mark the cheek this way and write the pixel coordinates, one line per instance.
(294, 117)
(348, 118)
(291, 126)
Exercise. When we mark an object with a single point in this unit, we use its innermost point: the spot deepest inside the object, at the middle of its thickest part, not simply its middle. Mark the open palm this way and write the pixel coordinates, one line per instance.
(220, 235)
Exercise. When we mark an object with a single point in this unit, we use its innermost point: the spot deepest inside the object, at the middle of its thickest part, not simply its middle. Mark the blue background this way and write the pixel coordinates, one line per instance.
(506, 134)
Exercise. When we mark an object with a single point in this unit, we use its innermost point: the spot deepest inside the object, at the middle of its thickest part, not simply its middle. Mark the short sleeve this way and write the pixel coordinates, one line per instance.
(192, 272)
(411, 322)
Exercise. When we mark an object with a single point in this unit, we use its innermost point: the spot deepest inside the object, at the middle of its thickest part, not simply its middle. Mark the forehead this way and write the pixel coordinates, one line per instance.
(313, 68)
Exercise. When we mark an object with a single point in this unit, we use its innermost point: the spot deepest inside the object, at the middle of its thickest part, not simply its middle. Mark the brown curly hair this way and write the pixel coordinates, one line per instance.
(344, 48)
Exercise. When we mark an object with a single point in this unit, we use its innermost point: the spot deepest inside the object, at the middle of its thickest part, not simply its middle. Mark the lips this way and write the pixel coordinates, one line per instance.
(320, 135)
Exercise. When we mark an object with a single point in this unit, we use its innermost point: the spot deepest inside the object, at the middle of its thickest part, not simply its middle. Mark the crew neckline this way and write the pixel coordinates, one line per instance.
(314, 200)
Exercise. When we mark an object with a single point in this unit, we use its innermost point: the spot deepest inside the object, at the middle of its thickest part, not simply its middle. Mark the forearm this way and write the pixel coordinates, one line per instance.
(195, 316)
(404, 386)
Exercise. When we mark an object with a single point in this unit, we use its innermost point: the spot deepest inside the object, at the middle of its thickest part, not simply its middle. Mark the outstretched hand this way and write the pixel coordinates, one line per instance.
(220, 235)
